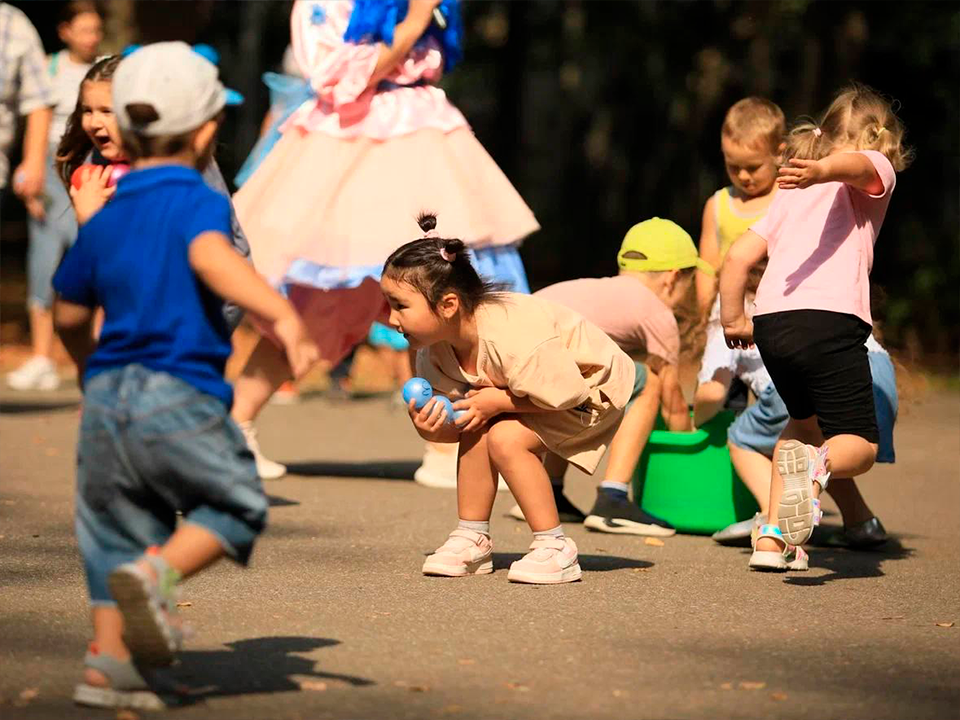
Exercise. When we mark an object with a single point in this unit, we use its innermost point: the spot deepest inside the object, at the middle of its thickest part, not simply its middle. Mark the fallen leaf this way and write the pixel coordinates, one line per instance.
(185, 603)
(894, 617)
(747, 685)
(418, 688)
(641, 569)
(26, 696)
(313, 685)
(778, 696)
(127, 715)
(949, 624)
(9, 502)
(466, 661)
(36, 536)
(400, 683)
(619, 693)
(518, 687)
(656, 542)
(726, 686)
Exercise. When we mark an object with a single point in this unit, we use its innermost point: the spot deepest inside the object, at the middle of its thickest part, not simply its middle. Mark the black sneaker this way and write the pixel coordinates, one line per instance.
(625, 518)
(568, 512)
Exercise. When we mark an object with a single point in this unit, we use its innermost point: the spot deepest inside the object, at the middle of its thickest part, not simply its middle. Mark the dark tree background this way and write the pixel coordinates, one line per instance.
(604, 113)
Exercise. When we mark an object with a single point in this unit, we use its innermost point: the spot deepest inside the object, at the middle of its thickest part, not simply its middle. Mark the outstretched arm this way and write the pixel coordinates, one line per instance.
(220, 267)
(852, 168)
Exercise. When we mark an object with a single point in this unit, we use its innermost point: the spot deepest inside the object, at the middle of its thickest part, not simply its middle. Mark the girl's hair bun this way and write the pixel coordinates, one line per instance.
(427, 221)
(452, 246)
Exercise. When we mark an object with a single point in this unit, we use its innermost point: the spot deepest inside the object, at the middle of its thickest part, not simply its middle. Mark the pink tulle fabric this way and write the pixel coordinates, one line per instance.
(340, 73)
(342, 187)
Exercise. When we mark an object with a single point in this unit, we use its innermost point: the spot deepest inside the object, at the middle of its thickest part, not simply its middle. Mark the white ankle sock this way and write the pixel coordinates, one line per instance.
(480, 526)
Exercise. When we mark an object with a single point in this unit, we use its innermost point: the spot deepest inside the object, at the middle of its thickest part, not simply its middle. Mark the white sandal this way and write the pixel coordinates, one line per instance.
(792, 557)
(798, 511)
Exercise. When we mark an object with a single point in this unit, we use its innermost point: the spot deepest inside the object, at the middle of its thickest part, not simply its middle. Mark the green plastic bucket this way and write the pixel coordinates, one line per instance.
(688, 479)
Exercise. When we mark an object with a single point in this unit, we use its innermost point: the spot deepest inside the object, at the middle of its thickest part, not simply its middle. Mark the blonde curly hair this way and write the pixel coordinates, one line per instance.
(859, 118)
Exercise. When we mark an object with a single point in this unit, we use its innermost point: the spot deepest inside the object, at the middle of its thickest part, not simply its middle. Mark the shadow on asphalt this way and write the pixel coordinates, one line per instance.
(252, 667)
(588, 563)
(277, 501)
(29, 407)
(844, 563)
(379, 469)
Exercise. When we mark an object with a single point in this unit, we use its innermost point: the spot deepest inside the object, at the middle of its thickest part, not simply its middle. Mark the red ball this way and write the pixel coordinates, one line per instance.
(117, 171)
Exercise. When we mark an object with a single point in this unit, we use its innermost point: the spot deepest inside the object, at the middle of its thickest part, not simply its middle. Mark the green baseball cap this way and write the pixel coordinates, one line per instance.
(656, 245)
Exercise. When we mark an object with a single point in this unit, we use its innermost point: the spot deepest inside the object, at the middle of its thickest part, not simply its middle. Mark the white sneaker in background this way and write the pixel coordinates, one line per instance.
(37, 373)
(267, 469)
(439, 469)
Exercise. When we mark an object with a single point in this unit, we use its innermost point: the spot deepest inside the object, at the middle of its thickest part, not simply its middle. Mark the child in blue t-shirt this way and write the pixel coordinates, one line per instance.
(156, 437)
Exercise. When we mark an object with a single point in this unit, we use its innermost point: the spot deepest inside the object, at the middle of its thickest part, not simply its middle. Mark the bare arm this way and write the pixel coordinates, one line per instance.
(74, 324)
(405, 35)
(220, 268)
(29, 175)
(747, 251)
(673, 406)
(710, 396)
(709, 251)
(847, 167)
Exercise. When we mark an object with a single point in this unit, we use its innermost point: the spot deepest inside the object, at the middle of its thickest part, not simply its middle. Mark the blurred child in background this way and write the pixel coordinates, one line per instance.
(751, 140)
(53, 232)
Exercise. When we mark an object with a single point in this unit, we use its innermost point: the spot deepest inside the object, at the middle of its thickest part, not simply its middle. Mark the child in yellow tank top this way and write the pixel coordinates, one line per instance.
(750, 140)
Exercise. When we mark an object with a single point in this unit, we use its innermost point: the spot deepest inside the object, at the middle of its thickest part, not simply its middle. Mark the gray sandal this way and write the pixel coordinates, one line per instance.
(127, 687)
(149, 609)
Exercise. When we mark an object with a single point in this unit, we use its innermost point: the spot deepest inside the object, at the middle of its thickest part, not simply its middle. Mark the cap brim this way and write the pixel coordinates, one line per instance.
(233, 97)
(706, 267)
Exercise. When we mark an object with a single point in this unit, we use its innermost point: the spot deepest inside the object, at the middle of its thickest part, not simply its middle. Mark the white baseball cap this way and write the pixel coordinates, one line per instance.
(181, 85)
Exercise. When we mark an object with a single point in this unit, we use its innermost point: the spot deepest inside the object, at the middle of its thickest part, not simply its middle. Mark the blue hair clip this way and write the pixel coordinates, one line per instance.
(207, 52)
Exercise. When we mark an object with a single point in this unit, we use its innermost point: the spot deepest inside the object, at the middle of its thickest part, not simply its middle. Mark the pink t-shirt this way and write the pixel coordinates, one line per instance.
(820, 246)
(625, 309)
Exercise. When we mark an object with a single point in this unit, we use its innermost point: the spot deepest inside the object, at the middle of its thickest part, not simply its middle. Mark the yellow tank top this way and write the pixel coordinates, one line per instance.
(730, 224)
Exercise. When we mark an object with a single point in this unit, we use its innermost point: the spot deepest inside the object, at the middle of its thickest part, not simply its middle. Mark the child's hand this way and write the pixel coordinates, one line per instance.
(800, 174)
(302, 352)
(739, 333)
(480, 407)
(92, 194)
(430, 422)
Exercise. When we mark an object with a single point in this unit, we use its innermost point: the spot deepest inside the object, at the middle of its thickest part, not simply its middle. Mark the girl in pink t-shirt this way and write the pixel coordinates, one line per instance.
(813, 305)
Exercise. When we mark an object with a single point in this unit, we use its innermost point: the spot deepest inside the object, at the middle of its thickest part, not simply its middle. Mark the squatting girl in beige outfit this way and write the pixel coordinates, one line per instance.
(527, 376)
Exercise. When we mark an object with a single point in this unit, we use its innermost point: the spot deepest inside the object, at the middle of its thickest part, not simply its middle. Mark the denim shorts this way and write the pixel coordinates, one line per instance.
(151, 445)
(49, 238)
(759, 426)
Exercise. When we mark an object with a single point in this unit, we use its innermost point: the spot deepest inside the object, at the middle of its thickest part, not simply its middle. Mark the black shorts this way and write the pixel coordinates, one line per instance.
(818, 362)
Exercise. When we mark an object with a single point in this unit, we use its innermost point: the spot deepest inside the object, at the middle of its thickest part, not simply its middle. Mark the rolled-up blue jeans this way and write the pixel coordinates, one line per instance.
(151, 445)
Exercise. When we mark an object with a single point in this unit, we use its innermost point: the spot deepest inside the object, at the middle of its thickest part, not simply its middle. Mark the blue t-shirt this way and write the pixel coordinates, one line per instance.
(131, 258)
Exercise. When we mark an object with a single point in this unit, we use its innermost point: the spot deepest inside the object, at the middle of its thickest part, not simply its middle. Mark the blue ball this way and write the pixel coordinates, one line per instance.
(418, 390)
(448, 405)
